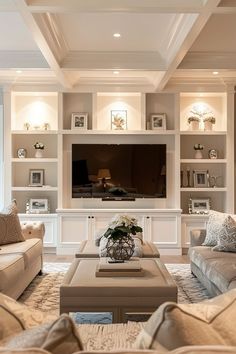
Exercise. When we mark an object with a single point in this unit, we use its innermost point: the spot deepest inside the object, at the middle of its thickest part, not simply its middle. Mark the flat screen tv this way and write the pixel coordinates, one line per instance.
(118, 171)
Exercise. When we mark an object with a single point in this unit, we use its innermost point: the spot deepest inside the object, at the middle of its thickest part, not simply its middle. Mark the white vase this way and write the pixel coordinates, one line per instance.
(38, 153)
(207, 125)
(194, 125)
(198, 154)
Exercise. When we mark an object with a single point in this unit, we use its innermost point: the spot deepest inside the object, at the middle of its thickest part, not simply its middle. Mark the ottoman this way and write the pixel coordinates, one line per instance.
(82, 291)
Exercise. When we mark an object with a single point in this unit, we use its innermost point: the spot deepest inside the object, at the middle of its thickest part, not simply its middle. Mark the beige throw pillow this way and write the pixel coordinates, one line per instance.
(211, 322)
(59, 337)
(227, 236)
(10, 229)
(14, 316)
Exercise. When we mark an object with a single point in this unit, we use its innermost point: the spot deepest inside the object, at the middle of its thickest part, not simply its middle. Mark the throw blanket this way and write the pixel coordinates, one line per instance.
(101, 242)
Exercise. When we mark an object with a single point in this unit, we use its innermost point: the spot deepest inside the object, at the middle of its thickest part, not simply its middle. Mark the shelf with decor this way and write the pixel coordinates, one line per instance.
(119, 132)
(206, 149)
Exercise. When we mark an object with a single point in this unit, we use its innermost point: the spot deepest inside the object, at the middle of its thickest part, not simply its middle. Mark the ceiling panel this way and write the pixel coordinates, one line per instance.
(14, 35)
(94, 32)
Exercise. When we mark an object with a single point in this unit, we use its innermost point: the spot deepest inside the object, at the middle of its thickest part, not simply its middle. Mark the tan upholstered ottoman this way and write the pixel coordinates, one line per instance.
(88, 249)
(82, 291)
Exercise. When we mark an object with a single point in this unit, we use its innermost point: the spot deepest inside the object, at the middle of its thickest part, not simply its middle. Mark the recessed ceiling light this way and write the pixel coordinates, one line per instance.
(215, 72)
(117, 35)
(19, 71)
(116, 72)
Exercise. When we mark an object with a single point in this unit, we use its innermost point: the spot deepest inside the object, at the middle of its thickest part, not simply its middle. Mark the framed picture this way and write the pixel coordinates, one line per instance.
(38, 206)
(36, 178)
(199, 206)
(79, 120)
(200, 179)
(158, 121)
(118, 120)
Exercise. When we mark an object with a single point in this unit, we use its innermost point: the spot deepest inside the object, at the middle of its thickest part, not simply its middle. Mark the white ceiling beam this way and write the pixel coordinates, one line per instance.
(198, 25)
(148, 6)
(41, 42)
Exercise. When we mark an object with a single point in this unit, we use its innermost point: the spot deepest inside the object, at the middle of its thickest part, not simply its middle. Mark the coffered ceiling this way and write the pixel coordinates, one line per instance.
(69, 44)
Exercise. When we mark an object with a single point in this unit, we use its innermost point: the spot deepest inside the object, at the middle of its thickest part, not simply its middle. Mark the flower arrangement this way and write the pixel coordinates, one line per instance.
(118, 122)
(209, 119)
(198, 147)
(38, 145)
(193, 119)
(122, 225)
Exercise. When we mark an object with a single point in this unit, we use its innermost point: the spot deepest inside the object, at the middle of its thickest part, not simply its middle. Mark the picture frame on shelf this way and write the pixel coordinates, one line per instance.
(79, 121)
(199, 206)
(118, 120)
(158, 121)
(38, 206)
(36, 178)
(200, 178)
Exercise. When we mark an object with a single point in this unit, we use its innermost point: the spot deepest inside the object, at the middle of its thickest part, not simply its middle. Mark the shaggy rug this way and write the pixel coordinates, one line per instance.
(43, 292)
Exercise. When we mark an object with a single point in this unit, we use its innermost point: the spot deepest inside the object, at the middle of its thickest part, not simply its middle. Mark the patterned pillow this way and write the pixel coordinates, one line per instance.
(59, 337)
(10, 229)
(15, 317)
(227, 236)
(210, 322)
(214, 228)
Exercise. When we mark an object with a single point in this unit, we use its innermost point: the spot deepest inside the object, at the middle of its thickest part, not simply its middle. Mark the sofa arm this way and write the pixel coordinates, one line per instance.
(33, 229)
(197, 237)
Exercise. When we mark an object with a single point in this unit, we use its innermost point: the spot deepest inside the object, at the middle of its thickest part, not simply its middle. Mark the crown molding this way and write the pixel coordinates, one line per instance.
(52, 32)
(209, 60)
(81, 60)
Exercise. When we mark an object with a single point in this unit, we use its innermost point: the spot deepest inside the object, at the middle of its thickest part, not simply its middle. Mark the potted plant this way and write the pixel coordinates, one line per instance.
(194, 121)
(198, 148)
(208, 121)
(39, 147)
(120, 244)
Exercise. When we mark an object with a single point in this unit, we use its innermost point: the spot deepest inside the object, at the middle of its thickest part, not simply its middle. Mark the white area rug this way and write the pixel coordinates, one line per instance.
(43, 292)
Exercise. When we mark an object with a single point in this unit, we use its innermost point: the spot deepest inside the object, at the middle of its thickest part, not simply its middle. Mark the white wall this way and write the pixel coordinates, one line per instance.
(1, 151)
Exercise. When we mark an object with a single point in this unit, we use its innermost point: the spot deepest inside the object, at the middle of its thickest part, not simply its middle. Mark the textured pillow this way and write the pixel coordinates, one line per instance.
(10, 229)
(15, 317)
(59, 337)
(214, 228)
(227, 236)
(211, 322)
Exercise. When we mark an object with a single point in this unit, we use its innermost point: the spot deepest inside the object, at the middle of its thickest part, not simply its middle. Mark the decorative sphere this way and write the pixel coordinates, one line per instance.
(121, 248)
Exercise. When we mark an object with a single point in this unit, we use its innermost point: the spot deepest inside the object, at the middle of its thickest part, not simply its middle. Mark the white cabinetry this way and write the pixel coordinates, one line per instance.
(160, 226)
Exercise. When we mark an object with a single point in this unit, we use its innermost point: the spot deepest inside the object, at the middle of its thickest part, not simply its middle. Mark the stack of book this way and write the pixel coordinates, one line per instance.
(130, 268)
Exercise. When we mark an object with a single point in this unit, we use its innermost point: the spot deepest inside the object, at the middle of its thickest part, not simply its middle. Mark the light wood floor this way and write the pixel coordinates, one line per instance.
(61, 259)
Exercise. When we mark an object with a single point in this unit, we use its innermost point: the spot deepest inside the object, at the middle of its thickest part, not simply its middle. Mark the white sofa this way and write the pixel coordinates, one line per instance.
(20, 262)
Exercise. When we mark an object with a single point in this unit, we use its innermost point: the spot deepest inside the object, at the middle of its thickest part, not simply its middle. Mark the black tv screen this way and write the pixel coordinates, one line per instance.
(118, 171)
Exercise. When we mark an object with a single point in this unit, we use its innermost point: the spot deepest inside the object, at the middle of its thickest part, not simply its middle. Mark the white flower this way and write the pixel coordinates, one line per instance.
(123, 220)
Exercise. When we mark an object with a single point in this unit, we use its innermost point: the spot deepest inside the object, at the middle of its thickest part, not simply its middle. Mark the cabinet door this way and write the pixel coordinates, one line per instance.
(74, 229)
(164, 231)
(189, 224)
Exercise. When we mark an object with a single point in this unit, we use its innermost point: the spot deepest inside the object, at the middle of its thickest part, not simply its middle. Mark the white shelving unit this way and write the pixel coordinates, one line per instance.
(56, 109)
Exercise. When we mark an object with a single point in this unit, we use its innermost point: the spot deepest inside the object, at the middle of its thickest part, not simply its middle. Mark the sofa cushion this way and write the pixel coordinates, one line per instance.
(59, 337)
(210, 322)
(216, 266)
(23, 351)
(11, 269)
(30, 250)
(10, 229)
(26, 316)
(227, 236)
(214, 227)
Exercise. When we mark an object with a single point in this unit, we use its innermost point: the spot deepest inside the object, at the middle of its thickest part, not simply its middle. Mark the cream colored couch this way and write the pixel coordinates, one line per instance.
(215, 270)
(20, 262)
